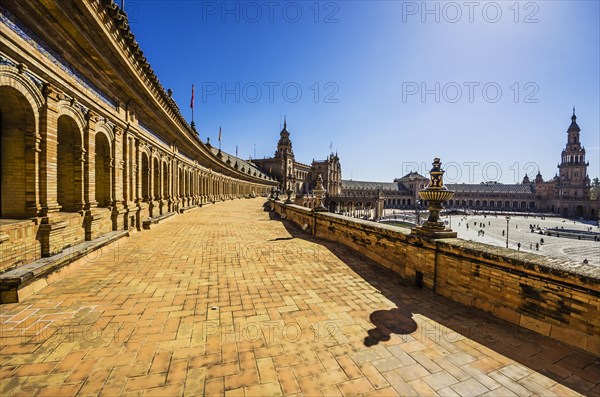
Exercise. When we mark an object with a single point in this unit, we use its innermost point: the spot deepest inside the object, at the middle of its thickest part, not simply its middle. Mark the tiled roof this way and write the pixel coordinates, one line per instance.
(490, 188)
(241, 163)
(410, 176)
(371, 185)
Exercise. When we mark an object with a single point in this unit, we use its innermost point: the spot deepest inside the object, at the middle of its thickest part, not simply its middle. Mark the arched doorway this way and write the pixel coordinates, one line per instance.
(17, 120)
(68, 169)
(332, 206)
(102, 170)
(579, 211)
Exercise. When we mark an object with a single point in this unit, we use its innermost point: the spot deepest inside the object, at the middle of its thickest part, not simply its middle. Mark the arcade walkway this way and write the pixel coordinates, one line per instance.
(223, 300)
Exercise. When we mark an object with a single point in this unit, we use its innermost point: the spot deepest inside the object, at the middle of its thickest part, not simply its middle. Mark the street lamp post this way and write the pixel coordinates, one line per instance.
(418, 212)
(507, 220)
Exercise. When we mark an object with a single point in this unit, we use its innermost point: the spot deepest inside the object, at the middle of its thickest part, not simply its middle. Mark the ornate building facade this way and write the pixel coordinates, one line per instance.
(300, 177)
(566, 194)
(91, 142)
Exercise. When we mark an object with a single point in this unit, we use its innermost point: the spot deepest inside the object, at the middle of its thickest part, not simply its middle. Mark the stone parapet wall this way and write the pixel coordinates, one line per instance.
(556, 298)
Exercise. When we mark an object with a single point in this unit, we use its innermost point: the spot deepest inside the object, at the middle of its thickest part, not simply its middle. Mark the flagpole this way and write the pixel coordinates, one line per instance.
(193, 125)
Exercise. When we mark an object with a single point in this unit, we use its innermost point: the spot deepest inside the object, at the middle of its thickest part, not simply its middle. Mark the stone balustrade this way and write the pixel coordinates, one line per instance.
(553, 297)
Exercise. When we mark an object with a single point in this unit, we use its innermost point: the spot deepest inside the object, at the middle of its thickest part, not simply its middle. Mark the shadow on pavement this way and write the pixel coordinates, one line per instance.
(393, 321)
(451, 321)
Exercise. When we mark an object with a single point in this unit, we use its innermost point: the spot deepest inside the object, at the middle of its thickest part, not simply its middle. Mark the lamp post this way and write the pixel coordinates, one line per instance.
(290, 184)
(507, 220)
(418, 212)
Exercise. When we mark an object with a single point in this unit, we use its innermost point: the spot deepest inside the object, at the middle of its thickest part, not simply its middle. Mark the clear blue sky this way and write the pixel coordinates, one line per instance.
(362, 67)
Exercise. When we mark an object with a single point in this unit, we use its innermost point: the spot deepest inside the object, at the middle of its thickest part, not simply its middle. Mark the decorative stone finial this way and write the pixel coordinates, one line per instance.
(435, 194)
(436, 174)
(319, 192)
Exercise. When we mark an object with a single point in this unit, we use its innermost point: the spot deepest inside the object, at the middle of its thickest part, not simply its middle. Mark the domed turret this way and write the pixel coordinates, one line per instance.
(538, 178)
(574, 126)
(284, 146)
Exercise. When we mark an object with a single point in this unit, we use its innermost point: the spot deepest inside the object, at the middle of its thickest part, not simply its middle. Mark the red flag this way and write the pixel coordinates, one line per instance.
(192, 101)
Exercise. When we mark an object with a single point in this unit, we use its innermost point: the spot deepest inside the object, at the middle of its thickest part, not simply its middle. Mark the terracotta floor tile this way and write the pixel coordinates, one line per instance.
(291, 314)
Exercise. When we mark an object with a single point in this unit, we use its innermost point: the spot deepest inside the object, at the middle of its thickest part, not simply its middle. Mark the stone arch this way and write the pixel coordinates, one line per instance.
(103, 161)
(69, 173)
(17, 122)
(333, 206)
(10, 77)
(107, 131)
(65, 109)
(20, 105)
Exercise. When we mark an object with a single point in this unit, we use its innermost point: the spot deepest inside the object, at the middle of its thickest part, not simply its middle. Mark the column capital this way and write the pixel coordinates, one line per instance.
(119, 131)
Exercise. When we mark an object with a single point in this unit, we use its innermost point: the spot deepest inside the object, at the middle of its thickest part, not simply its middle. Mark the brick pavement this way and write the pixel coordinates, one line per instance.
(223, 300)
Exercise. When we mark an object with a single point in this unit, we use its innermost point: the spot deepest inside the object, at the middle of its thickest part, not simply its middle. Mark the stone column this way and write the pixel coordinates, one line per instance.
(80, 175)
(122, 172)
(32, 167)
(139, 146)
(159, 196)
(50, 231)
(89, 141)
(140, 208)
(49, 153)
(94, 216)
(133, 170)
(119, 176)
(170, 190)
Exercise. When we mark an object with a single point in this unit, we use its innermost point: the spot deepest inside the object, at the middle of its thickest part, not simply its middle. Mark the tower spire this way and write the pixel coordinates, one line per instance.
(284, 121)
(574, 125)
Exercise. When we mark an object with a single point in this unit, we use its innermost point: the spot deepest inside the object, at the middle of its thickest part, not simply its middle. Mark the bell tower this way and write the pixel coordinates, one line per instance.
(284, 146)
(573, 180)
(286, 155)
